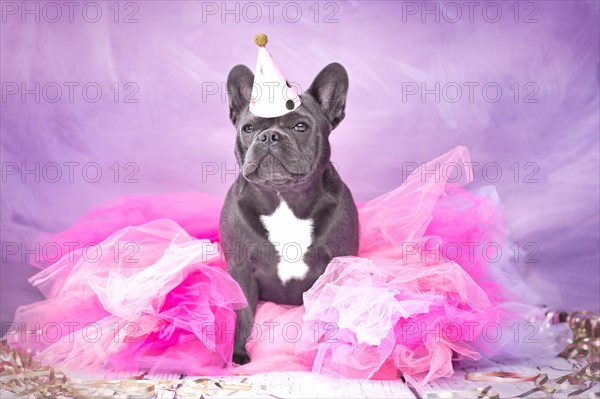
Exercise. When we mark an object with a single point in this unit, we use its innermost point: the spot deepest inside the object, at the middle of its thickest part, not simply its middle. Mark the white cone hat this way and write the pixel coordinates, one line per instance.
(272, 95)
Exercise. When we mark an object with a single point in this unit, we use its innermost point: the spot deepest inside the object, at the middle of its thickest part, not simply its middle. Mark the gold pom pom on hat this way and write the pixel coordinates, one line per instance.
(261, 40)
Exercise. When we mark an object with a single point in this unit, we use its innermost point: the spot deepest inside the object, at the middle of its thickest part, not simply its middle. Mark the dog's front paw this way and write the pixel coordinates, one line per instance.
(241, 358)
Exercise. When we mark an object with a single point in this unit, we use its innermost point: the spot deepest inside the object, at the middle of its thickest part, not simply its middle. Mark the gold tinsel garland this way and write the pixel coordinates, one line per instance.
(586, 334)
(21, 375)
(585, 345)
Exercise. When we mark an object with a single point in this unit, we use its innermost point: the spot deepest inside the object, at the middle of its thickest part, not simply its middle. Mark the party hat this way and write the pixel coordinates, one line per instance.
(272, 95)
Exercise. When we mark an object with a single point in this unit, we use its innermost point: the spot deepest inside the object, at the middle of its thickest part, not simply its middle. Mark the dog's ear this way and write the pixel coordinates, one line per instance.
(239, 90)
(329, 89)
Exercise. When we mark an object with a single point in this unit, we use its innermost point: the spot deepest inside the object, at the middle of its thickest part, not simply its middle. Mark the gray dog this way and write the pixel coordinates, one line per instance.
(289, 212)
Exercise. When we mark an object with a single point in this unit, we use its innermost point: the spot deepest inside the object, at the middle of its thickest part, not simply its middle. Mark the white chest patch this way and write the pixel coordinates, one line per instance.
(291, 238)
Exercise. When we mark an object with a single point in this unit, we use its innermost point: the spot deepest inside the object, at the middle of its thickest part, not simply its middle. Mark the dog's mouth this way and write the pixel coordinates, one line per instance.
(269, 170)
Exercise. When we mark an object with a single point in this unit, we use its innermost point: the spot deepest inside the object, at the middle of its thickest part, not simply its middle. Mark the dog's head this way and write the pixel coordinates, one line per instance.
(288, 150)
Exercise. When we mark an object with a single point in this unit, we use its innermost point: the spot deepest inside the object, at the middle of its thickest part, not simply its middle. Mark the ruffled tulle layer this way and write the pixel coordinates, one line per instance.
(431, 284)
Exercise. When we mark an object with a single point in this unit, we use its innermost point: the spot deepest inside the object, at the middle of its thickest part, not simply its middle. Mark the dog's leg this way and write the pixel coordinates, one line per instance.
(245, 317)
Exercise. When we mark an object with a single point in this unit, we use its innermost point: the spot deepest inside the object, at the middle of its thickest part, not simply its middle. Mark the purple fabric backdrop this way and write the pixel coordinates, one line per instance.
(517, 83)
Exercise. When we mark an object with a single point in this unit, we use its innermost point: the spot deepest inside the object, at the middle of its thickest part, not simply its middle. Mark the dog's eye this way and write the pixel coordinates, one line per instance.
(300, 127)
(248, 128)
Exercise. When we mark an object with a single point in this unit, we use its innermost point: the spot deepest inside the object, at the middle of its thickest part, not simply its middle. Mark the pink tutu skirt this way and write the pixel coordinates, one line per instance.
(144, 288)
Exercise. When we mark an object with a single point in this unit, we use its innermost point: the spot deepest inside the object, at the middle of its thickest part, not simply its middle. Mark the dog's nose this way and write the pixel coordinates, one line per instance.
(269, 137)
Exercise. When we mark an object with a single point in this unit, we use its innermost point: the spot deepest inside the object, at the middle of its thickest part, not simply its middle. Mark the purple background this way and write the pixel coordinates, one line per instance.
(178, 50)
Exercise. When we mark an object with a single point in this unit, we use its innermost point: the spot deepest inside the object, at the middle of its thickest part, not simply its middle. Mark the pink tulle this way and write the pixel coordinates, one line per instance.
(150, 296)
(417, 296)
(401, 301)
(196, 213)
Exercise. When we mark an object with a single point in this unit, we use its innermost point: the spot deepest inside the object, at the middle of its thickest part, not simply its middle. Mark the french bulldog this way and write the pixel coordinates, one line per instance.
(288, 214)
